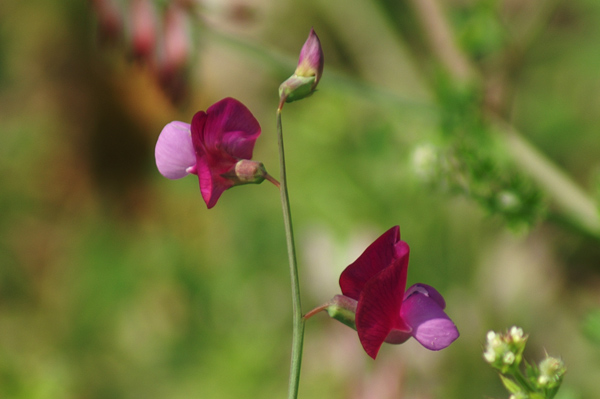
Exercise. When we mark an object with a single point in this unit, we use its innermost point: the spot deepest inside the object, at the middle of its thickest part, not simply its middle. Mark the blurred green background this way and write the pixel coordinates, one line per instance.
(118, 283)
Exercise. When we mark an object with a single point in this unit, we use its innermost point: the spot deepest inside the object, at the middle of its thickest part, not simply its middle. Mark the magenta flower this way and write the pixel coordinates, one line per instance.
(217, 147)
(374, 290)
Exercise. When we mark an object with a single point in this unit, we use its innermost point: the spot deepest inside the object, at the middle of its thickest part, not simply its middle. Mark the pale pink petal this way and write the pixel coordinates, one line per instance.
(174, 151)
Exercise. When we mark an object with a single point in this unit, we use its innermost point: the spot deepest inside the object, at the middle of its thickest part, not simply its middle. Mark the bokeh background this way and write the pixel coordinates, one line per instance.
(118, 283)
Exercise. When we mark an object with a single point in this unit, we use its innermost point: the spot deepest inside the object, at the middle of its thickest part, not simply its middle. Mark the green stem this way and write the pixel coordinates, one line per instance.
(522, 380)
(298, 321)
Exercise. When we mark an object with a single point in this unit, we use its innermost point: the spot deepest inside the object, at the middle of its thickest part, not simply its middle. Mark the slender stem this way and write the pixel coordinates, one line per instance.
(272, 180)
(316, 310)
(298, 321)
(522, 380)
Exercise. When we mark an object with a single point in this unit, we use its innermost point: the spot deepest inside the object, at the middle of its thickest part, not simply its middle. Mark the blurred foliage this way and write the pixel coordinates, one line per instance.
(118, 283)
(475, 164)
(591, 326)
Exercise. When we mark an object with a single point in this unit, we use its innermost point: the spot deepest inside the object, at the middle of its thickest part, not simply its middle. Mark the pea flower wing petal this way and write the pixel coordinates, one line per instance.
(431, 327)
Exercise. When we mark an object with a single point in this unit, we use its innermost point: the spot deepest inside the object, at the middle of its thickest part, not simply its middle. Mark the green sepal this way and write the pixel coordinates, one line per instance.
(343, 309)
(511, 385)
(296, 88)
(342, 315)
(531, 372)
(246, 172)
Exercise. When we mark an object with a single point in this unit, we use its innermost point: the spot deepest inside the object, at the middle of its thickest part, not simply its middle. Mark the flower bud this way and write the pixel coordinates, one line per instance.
(516, 334)
(508, 358)
(551, 372)
(296, 88)
(247, 172)
(505, 351)
(308, 72)
(311, 60)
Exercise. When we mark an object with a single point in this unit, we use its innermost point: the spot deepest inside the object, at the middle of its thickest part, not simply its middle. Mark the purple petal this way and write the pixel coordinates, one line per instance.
(431, 326)
(428, 291)
(230, 129)
(379, 255)
(311, 58)
(379, 304)
(174, 151)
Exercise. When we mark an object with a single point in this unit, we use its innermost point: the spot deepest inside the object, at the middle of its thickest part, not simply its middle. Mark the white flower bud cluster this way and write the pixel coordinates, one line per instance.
(493, 347)
(504, 350)
(551, 372)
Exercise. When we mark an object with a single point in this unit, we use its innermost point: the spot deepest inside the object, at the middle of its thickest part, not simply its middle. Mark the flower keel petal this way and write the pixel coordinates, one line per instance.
(428, 291)
(431, 326)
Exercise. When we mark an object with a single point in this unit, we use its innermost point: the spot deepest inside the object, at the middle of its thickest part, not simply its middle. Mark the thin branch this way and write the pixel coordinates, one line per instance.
(441, 39)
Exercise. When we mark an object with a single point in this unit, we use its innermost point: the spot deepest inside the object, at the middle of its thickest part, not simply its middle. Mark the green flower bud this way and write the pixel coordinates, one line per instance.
(247, 172)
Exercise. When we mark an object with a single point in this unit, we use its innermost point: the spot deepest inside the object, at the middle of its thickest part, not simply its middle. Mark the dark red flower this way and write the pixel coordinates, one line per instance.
(384, 311)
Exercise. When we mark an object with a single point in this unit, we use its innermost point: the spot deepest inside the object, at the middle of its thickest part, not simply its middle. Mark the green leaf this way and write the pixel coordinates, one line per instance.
(510, 385)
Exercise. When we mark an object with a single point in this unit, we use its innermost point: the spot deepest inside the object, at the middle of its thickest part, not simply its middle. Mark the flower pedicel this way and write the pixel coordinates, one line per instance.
(375, 302)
